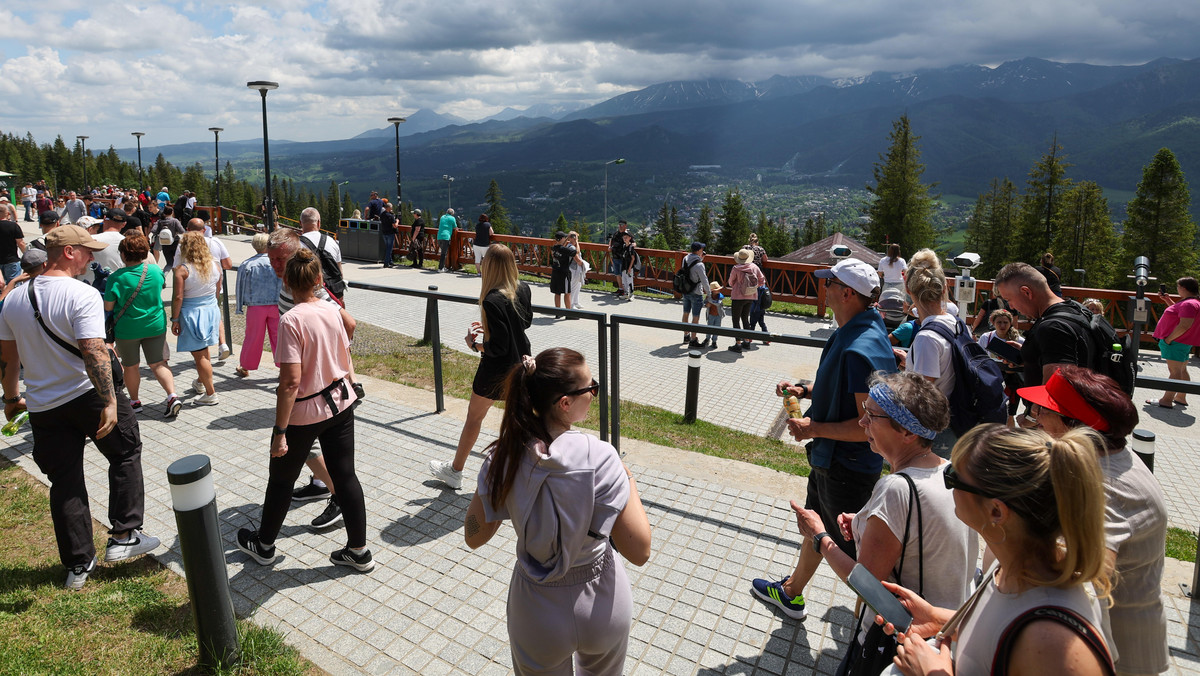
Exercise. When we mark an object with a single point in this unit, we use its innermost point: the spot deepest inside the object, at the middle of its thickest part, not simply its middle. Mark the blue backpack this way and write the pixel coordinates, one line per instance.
(978, 394)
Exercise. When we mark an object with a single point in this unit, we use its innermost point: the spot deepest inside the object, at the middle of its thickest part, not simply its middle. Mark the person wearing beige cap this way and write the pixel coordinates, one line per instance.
(71, 397)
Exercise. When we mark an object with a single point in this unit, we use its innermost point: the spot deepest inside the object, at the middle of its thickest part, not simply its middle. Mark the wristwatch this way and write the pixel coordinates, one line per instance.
(806, 390)
(277, 431)
(817, 540)
(13, 400)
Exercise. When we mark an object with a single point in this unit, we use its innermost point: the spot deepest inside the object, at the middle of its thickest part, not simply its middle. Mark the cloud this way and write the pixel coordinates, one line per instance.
(181, 66)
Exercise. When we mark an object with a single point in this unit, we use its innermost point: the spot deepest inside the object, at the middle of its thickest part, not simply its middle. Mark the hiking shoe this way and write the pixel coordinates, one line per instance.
(331, 515)
(247, 541)
(79, 575)
(224, 353)
(136, 544)
(172, 406)
(358, 390)
(445, 473)
(207, 400)
(197, 386)
(311, 492)
(773, 593)
(360, 562)
(136, 405)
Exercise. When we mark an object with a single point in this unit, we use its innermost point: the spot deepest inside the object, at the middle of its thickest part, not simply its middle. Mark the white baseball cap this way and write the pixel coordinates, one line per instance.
(853, 273)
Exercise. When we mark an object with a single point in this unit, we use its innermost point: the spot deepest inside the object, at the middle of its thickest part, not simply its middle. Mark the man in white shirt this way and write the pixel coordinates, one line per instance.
(110, 234)
(71, 397)
(75, 208)
(28, 195)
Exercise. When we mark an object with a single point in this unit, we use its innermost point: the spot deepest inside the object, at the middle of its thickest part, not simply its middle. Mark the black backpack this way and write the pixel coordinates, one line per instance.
(330, 273)
(682, 282)
(978, 394)
(1108, 354)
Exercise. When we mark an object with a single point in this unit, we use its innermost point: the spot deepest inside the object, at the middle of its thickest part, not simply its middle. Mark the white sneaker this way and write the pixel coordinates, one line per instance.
(223, 353)
(137, 544)
(197, 386)
(172, 406)
(445, 473)
(79, 575)
(207, 400)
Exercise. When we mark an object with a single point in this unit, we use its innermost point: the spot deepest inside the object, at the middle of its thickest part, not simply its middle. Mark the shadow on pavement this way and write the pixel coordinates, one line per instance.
(1172, 417)
(436, 517)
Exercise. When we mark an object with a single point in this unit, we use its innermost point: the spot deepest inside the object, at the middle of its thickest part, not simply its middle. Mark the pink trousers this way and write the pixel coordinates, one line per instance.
(260, 319)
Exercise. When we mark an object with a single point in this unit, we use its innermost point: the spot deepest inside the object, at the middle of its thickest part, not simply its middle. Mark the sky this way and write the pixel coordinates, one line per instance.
(174, 69)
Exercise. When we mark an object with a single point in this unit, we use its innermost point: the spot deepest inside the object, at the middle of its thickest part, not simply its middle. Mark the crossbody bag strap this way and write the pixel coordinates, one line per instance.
(914, 498)
(121, 313)
(1065, 617)
(53, 336)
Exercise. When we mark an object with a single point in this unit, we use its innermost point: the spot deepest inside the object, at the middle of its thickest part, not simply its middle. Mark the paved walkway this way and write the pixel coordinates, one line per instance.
(433, 606)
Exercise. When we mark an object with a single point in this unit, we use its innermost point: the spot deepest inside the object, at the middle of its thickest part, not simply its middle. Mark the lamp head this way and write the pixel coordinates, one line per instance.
(263, 86)
(397, 120)
(216, 130)
(138, 134)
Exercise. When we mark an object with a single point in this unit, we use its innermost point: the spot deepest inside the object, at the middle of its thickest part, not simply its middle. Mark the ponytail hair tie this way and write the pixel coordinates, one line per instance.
(530, 364)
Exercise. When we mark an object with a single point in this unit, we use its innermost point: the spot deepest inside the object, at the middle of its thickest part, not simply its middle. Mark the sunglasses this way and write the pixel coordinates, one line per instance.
(594, 388)
(953, 481)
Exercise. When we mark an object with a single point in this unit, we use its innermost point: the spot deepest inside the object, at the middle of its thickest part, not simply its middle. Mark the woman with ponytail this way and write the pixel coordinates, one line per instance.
(931, 354)
(572, 502)
(499, 338)
(1038, 502)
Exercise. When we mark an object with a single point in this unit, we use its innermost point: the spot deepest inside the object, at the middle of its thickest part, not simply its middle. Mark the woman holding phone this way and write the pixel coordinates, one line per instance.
(1177, 332)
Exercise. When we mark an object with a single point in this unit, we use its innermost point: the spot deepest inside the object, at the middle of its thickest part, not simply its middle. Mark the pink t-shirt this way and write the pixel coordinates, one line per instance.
(1188, 308)
(312, 335)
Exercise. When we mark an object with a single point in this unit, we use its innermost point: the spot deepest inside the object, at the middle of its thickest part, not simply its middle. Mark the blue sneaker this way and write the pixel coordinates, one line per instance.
(773, 593)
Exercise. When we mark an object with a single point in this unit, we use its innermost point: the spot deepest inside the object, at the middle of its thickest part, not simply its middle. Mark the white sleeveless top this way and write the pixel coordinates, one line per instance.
(195, 287)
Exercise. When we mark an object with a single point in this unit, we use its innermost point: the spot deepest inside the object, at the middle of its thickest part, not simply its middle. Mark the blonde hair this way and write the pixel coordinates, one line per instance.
(573, 235)
(499, 273)
(259, 242)
(194, 249)
(924, 279)
(1094, 305)
(1055, 489)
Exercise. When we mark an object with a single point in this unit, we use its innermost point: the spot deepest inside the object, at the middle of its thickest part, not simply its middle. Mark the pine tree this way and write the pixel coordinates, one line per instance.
(775, 238)
(584, 228)
(1158, 224)
(1040, 204)
(991, 226)
(560, 223)
(704, 225)
(674, 234)
(1085, 237)
(735, 225)
(496, 212)
(902, 210)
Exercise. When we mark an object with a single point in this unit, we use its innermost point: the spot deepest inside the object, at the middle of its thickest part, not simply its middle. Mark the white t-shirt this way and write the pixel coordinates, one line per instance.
(331, 245)
(947, 545)
(109, 257)
(930, 354)
(893, 273)
(215, 247)
(72, 310)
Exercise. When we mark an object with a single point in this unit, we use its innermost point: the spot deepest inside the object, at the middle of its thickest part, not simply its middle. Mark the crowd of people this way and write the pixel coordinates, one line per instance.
(1072, 524)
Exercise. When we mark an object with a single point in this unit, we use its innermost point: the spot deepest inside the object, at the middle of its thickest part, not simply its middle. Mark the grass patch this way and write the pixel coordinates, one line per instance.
(397, 358)
(1181, 544)
(131, 617)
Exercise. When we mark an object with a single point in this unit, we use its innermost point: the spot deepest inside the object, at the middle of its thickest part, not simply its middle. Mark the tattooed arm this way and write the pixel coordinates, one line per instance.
(477, 530)
(10, 367)
(99, 371)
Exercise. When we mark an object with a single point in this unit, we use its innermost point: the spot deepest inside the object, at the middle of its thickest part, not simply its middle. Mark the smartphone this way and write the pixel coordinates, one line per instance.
(1162, 287)
(879, 599)
(1005, 351)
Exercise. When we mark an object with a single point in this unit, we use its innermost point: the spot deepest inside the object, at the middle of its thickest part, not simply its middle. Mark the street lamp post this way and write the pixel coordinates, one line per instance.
(620, 160)
(396, 121)
(83, 156)
(338, 188)
(217, 168)
(263, 87)
(141, 177)
(449, 180)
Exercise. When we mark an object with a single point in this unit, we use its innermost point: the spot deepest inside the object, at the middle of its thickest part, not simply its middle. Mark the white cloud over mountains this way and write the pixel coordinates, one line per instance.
(173, 69)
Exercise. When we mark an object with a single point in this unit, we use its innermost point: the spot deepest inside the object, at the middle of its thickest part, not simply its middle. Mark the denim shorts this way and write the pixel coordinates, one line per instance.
(694, 301)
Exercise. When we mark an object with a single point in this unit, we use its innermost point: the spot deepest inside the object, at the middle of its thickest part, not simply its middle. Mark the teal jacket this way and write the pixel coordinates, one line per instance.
(446, 225)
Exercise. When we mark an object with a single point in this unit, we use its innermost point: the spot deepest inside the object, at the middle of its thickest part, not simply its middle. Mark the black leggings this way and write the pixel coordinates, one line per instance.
(741, 314)
(337, 444)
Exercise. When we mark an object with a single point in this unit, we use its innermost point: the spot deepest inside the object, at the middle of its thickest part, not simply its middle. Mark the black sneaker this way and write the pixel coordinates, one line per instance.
(360, 562)
(331, 515)
(247, 541)
(735, 348)
(358, 390)
(695, 345)
(311, 492)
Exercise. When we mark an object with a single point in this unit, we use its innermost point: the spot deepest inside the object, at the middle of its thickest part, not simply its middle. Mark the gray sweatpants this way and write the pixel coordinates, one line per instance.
(586, 615)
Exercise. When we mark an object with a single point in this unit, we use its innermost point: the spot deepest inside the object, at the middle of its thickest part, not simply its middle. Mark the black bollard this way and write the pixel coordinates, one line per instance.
(434, 335)
(693, 387)
(1143, 446)
(195, 501)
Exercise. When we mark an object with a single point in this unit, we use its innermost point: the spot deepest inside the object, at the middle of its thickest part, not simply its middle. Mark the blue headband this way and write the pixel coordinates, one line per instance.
(884, 396)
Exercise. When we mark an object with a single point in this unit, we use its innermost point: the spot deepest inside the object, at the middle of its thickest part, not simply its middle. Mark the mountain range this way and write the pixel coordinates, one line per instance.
(976, 123)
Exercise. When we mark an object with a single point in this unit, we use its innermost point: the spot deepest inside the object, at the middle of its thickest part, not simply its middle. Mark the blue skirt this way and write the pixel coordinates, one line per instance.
(199, 319)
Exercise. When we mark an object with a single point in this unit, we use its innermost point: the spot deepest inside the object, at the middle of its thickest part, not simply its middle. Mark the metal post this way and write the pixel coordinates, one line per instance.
(217, 174)
(1143, 447)
(433, 335)
(602, 350)
(693, 387)
(195, 503)
(225, 306)
(615, 383)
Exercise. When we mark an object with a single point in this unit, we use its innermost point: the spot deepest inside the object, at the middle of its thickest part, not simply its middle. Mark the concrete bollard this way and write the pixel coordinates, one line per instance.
(195, 502)
(1143, 446)
(693, 387)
